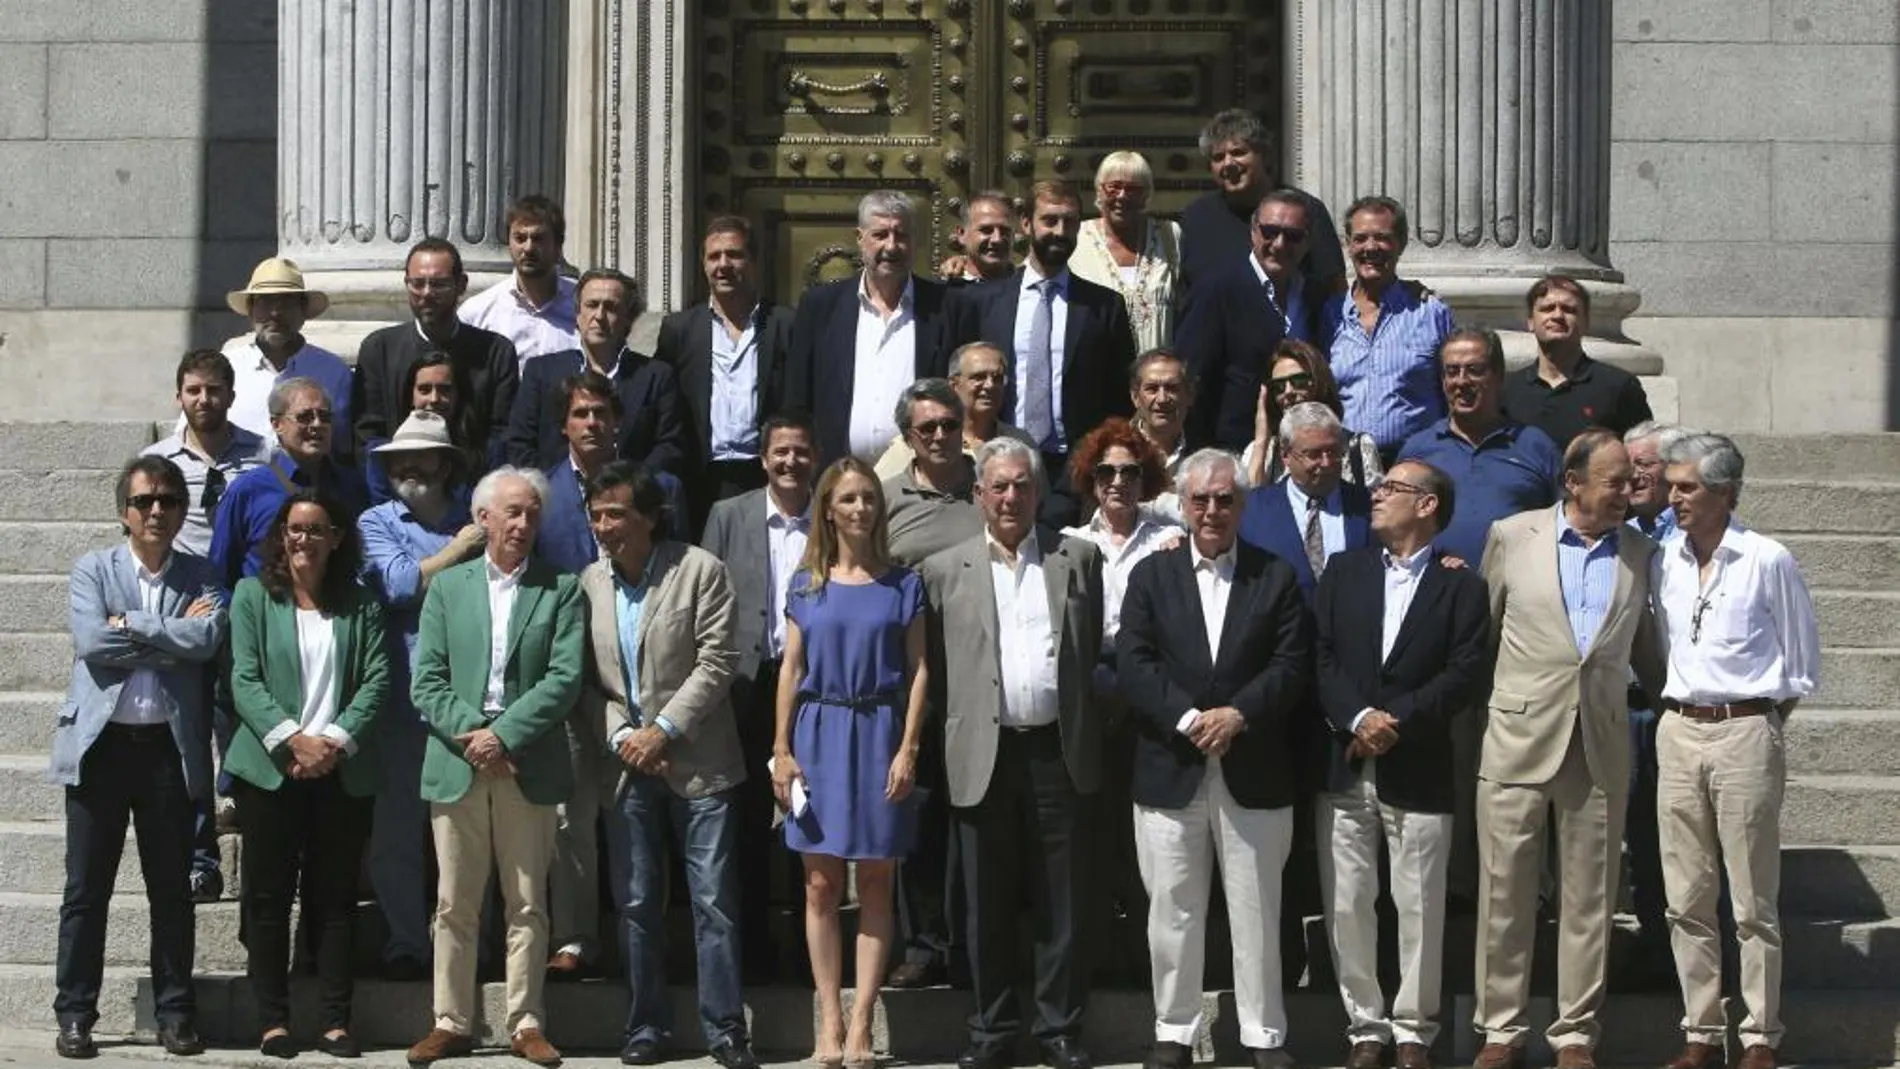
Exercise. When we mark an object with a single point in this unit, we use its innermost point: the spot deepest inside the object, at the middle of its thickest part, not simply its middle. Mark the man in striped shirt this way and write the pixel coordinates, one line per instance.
(1386, 332)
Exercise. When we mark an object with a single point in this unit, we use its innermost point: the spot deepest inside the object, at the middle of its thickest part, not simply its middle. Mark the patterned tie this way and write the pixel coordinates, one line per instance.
(1039, 419)
(1315, 540)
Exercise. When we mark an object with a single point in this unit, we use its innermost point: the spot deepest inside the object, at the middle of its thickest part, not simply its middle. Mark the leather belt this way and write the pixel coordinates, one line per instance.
(1715, 714)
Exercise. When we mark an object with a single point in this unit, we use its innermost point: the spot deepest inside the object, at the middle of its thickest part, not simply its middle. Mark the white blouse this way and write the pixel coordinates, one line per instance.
(316, 640)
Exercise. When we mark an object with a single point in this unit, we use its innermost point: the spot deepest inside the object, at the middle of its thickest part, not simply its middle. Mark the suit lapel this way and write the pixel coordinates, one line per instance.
(527, 596)
(604, 611)
(698, 373)
(977, 560)
(1240, 595)
(1055, 580)
(1549, 570)
(1078, 332)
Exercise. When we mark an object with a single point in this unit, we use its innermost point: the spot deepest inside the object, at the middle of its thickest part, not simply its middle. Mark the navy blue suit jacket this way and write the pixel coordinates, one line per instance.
(1227, 335)
(821, 366)
(1098, 346)
(1269, 524)
(566, 540)
(652, 418)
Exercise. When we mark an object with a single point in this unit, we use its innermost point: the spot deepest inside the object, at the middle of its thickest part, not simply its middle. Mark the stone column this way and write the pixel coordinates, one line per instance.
(1490, 121)
(409, 118)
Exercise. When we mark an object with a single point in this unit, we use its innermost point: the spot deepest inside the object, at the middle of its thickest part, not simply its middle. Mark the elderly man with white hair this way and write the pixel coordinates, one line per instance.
(857, 342)
(1743, 650)
(1214, 662)
(497, 667)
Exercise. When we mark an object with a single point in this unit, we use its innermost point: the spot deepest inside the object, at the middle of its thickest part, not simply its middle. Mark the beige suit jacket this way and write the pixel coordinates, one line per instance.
(1543, 691)
(966, 666)
(686, 664)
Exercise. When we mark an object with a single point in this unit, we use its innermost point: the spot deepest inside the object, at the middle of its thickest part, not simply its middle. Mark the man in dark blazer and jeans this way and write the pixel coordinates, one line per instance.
(1213, 656)
(1402, 644)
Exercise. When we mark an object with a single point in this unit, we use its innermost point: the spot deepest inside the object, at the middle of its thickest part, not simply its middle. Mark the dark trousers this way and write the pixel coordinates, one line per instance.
(1023, 851)
(131, 774)
(929, 873)
(1640, 836)
(313, 829)
(761, 849)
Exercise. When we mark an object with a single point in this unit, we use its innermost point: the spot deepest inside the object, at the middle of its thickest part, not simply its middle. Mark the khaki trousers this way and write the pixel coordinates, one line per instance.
(1511, 831)
(1353, 824)
(491, 825)
(1719, 790)
(574, 880)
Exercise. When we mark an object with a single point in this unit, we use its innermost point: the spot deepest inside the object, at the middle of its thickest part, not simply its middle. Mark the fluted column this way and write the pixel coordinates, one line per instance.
(409, 118)
(1490, 121)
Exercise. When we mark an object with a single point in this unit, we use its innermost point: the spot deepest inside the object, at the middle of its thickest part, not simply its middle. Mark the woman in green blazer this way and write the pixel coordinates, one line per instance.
(308, 675)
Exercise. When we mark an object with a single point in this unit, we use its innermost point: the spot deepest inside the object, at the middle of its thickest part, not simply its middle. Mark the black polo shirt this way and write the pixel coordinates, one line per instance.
(1595, 395)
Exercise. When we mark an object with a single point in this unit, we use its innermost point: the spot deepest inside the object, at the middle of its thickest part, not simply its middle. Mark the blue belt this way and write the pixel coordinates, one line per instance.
(862, 701)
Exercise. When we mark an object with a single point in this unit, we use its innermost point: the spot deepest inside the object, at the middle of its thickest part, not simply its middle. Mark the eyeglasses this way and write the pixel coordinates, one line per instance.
(1695, 619)
(983, 376)
(429, 285)
(308, 416)
(1293, 234)
(1108, 473)
(1122, 189)
(315, 532)
(144, 502)
(932, 428)
(1314, 456)
(1299, 380)
(1223, 500)
(1388, 487)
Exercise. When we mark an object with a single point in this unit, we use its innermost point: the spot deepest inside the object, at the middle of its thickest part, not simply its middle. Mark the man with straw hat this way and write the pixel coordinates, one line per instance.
(277, 304)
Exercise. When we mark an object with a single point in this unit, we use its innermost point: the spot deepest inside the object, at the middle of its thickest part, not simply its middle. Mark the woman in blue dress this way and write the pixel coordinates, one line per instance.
(850, 716)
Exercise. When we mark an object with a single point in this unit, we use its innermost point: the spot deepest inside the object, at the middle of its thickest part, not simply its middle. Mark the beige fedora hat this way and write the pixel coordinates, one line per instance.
(423, 430)
(277, 275)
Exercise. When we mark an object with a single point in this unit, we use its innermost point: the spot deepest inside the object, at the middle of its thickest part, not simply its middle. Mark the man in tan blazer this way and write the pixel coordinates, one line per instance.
(1016, 630)
(660, 661)
(1570, 612)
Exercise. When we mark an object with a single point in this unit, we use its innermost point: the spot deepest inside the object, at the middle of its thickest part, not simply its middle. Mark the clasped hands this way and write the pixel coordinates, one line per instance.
(1378, 732)
(312, 756)
(1213, 732)
(644, 750)
(483, 749)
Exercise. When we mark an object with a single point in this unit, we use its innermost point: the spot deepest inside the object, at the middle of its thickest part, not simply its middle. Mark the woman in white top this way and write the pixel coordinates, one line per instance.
(309, 673)
(1130, 252)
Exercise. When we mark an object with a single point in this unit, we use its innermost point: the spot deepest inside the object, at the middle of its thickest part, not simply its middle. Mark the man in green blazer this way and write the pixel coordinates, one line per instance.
(497, 669)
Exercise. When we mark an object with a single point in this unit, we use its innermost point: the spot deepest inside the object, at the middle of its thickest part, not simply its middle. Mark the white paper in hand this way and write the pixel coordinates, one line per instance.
(801, 801)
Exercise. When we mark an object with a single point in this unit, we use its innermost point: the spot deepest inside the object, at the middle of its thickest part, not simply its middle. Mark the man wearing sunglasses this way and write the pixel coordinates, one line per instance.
(932, 503)
(1214, 227)
(209, 448)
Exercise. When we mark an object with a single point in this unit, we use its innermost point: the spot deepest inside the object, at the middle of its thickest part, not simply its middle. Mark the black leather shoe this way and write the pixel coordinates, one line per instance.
(1170, 1056)
(180, 1039)
(1065, 1053)
(642, 1052)
(343, 1046)
(985, 1058)
(734, 1054)
(207, 886)
(75, 1041)
(278, 1046)
(1270, 1058)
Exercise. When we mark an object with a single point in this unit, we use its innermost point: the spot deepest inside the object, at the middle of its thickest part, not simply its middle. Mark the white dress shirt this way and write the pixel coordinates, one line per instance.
(141, 697)
(884, 362)
(785, 538)
(1026, 300)
(1332, 517)
(1150, 534)
(1026, 636)
(1214, 579)
(502, 588)
(1402, 578)
(1757, 636)
(535, 329)
(734, 409)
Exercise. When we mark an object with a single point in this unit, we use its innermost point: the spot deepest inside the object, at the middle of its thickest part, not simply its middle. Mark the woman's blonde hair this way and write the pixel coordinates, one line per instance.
(1125, 165)
(821, 549)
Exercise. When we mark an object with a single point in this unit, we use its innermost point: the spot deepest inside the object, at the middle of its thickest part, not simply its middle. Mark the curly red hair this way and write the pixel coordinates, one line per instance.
(1096, 444)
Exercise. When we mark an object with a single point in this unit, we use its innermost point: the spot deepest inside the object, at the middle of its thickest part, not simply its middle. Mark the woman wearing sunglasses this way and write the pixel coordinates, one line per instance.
(308, 675)
(1299, 373)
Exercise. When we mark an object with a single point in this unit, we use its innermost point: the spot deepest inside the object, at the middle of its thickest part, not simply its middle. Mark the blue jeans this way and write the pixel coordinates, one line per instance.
(1639, 830)
(399, 841)
(636, 852)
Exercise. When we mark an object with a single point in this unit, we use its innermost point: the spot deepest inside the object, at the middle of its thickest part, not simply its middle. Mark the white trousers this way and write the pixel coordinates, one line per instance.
(1351, 826)
(1177, 850)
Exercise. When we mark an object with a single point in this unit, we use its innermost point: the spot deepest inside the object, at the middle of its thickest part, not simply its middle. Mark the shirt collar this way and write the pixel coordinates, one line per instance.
(457, 517)
(1221, 565)
(563, 290)
(1028, 551)
(1415, 564)
(776, 515)
(262, 363)
(1031, 276)
(506, 580)
(1507, 429)
(749, 319)
(138, 568)
(904, 303)
(1298, 499)
(455, 327)
(612, 374)
(1568, 533)
(1293, 286)
(1729, 547)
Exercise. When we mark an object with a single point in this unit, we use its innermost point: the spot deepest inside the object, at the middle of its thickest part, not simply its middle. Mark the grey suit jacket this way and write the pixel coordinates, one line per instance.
(1542, 689)
(104, 585)
(686, 661)
(966, 669)
(735, 533)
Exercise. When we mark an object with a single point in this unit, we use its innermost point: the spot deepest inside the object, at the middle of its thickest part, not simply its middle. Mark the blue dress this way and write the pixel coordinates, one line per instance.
(850, 716)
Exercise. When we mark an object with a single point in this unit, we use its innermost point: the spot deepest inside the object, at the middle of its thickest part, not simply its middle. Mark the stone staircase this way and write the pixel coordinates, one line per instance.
(1835, 501)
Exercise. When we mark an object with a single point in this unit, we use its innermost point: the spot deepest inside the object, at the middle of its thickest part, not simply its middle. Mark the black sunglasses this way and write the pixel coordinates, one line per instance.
(144, 502)
(1293, 234)
(1108, 473)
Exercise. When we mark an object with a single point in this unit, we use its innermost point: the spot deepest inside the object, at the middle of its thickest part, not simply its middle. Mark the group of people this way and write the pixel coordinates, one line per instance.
(1035, 597)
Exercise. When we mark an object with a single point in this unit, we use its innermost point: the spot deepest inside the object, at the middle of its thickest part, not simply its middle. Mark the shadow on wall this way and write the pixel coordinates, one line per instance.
(238, 159)
(1893, 284)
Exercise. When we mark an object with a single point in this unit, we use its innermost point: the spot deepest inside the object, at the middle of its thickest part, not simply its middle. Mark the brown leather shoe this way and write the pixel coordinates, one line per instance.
(1366, 1054)
(564, 967)
(1499, 1056)
(1576, 1056)
(1698, 1056)
(531, 1045)
(438, 1044)
(914, 974)
(1414, 1056)
(1757, 1056)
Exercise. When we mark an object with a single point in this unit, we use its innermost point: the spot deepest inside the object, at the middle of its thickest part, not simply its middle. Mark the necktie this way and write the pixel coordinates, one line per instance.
(1038, 409)
(1315, 541)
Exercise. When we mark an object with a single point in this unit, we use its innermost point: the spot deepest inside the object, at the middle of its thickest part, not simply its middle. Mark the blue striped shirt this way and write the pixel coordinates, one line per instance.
(1588, 576)
(1388, 380)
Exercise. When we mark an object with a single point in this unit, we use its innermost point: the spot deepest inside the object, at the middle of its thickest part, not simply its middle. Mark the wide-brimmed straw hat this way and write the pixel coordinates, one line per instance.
(277, 275)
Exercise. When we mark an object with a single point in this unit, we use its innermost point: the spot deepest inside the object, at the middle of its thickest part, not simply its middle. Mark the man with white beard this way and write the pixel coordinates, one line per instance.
(406, 542)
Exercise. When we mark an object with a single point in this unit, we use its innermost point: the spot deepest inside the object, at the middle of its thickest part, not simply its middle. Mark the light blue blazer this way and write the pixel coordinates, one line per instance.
(104, 585)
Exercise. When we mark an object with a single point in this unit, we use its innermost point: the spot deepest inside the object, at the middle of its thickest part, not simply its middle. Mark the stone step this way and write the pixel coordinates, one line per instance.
(24, 793)
(1847, 562)
(51, 548)
(1848, 619)
(1842, 882)
(1834, 506)
(34, 604)
(1843, 740)
(1854, 679)
(33, 445)
(27, 719)
(35, 853)
(57, 494)
(1842, 810)
(35, 662)
(1820, 456)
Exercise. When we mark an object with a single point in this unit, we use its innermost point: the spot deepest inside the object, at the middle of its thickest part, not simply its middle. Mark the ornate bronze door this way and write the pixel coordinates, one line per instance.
(806, 105)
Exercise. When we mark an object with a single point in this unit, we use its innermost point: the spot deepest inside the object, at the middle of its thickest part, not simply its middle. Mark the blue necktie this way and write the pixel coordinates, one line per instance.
(1039, 420)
